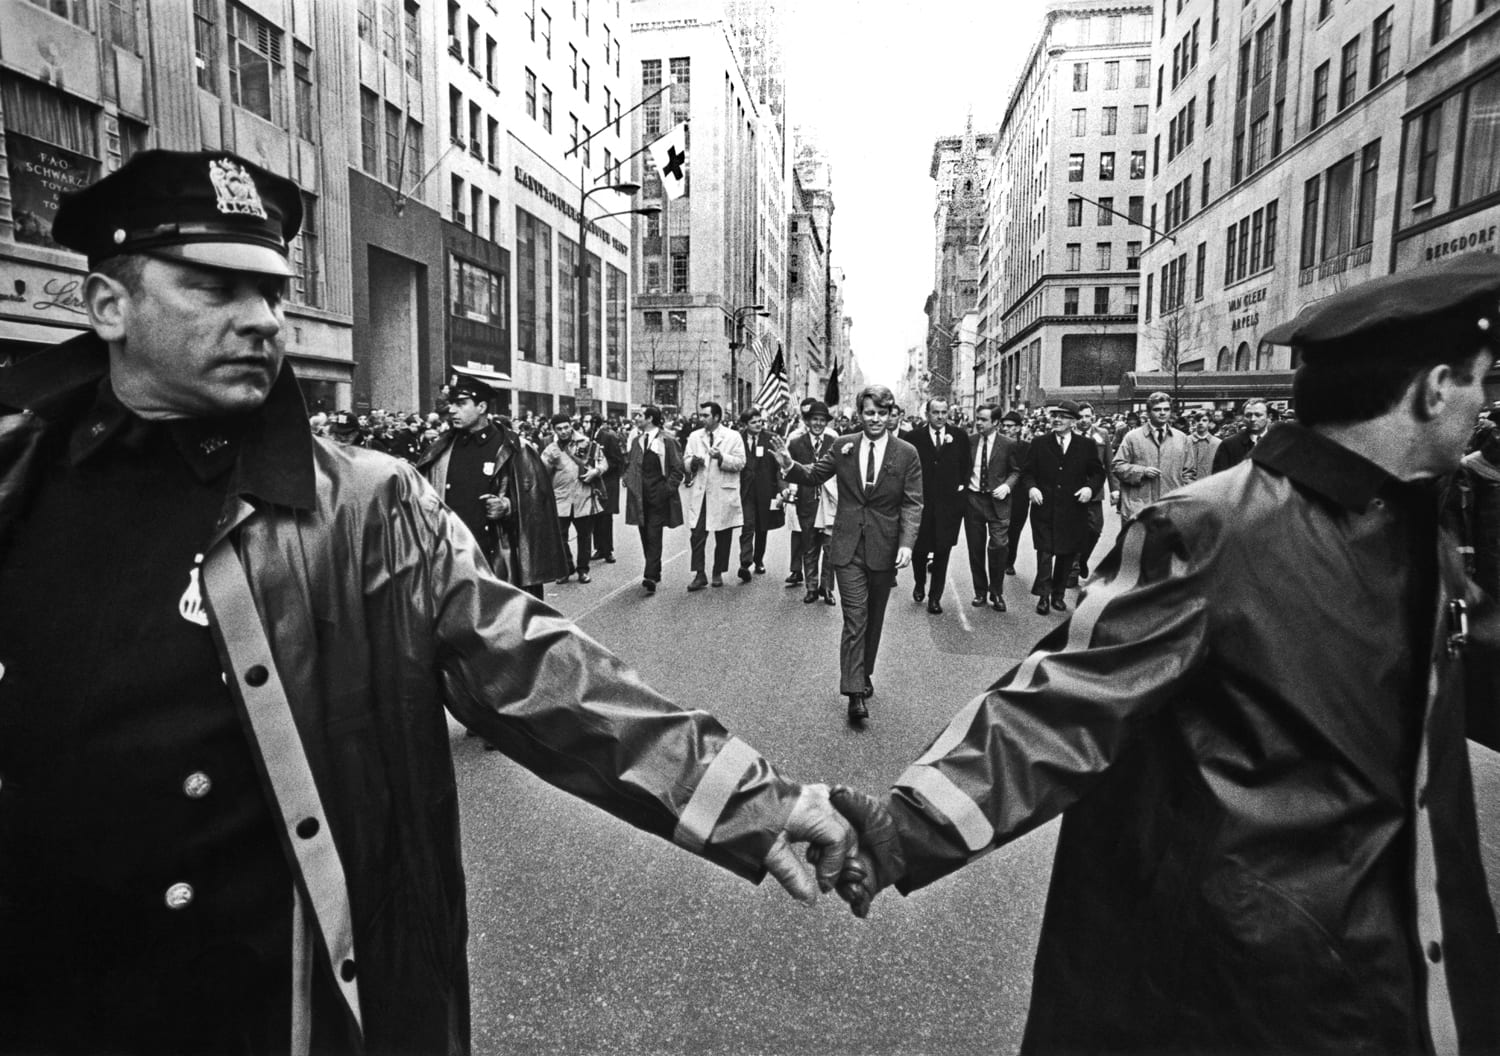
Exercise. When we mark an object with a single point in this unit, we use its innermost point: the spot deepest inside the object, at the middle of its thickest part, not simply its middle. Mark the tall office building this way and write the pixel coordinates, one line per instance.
(1063, 211)
(701, 287)
(958, 167)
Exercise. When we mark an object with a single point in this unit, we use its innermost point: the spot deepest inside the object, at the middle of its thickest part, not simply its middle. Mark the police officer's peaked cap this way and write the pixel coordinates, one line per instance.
(1013, 416)
(467, 386)
(343, 423)
(1455, 301)
(1067, 409)
(209, 207)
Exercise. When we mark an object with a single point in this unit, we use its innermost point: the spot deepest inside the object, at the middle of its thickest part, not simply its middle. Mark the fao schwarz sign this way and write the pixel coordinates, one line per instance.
(40, 174)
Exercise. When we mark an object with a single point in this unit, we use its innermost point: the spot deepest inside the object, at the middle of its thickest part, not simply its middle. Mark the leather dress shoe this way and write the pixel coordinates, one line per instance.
(760, 569)
(858, 712)
(1042, 608)
(997, 603)
(829, 599)
(980, 602)
(744, 573)
(650, 585)
(583, 577)
(563, 579)
(1010, 570)
(810, 597)
(918, 594)
(794, 579)
(699, 582)
(934, 608)
(1059, 605)
(718, 580)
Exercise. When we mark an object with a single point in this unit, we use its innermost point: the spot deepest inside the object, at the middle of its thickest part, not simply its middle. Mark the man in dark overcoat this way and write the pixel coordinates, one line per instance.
(944, 452)
(1020, 502)
(993, 477)
(1062, 473)
(807, 446)
(614, 468)
(653, 471)
(760, 482)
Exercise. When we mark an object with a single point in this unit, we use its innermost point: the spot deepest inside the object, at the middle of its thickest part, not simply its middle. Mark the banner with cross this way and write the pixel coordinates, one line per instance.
(670, 155)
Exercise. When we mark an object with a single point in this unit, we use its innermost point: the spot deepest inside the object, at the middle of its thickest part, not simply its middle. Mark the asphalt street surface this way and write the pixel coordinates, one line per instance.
(587, 936)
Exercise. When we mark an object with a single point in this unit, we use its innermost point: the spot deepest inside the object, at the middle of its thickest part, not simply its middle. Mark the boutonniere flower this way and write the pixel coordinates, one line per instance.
(848, 448)
(947, 438)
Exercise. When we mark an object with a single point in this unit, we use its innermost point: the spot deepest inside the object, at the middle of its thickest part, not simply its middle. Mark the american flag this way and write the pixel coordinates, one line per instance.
(762, 353)
(772, 396)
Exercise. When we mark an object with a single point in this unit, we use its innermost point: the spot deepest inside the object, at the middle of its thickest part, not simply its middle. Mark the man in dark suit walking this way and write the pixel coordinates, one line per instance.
(653, 471)
(1062, 473)
(945, 465)
(812, 562)
(880, 509)
(994, 472)
(1237, 448)
(760, 483)
(614, 467)
(1020, 501)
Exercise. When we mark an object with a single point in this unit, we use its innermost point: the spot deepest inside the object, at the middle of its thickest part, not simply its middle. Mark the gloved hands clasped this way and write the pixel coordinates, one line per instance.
(878, 861)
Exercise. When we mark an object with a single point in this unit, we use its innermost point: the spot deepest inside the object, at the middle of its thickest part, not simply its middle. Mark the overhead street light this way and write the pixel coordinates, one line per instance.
(734, 348)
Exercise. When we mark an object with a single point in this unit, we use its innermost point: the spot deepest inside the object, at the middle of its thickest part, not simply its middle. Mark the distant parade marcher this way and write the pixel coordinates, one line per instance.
(602, 433)
(815, 506)
(944, 451)
(344, 427)
(1105, 442)
(1062, 473)
(1151, 461)
(880, 508)
(760, 487)
(1202, 446)
(228, 648)
(993, 476)
(1020, 500)
(653, 473)
(1237, 448)
(1268, 839)
(794, 573)
(577, 466)
(713, 458)
(1473, 507)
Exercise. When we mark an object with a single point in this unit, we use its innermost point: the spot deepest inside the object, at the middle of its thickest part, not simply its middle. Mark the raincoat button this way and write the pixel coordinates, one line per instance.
(257, 676)
(346, 971)
(307, 828)
(196, 785)
(1434, 952)
(179, 896)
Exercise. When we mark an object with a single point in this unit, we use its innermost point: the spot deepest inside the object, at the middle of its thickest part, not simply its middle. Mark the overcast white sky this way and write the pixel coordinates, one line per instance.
(878, 81)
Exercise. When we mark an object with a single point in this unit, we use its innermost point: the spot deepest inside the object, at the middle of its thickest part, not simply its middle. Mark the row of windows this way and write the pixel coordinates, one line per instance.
(1474, 152)
(1109, 121)
(398, 34)
(1107, 166)
(1104, 256)
(389, 132)
(1348, 88)
(1180, 128)
(1141, 75)
(1106, 214)
(1184, 56)
(1250, 244)
(1344, 196)
(1102, 300)
(256, 66)
(535, 280)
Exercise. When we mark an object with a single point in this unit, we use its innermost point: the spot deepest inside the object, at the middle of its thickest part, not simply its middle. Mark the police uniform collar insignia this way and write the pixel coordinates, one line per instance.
(234, 189)
(212, 444)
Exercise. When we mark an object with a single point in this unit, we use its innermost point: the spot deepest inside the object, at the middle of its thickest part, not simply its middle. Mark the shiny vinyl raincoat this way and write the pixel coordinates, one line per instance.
(1256, 726)
(344, 594)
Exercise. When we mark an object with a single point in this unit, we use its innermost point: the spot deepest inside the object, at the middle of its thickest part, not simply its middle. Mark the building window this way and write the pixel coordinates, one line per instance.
(1259, 141)
(1104, 256)
(681, 70)
(75, 11)
(307, 284)
(1137, 164)
(1106, 212)
(677, 322)
(206, 44)
(1111, 75)
(1349, 73)
(1080, 76)
(1101, 300)
(1207, 169)
(546, 108)
(651, 322)
(1480, 167)
(369, 147)
(567, 299)
(1137, 208)
(122, 29)
(1320, 96)
(1325, 9)
(303, 90)
(1132, 256)
(1147, 313)
(530, 94)
(1208, 102)
(533, 288)
(476, 293)
(1369, 183)
(1070, 300)
(1265, 50)
(1075, 256)
(255, 64)
(414, 147)
(679, 263)
(456, 200)
(1107, 165)
(1431, 134)
(1213, 25)
(1075, 212)
(476, 122)
(546, 33)
(1200, 271)
(1442, 19)
(1338, 208)
(587, 78)
(1142, 73)
(1132, 300)
(1310, 222)
(392, 145)
(1080, 122)
(455, 116)
(492, 141)
(1075, 168)
(1278, 128)
(1380, 48)
(1138, 120)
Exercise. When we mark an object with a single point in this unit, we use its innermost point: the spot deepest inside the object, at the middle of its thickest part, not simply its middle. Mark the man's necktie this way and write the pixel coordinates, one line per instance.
(984, 465)
(1161, 437)
(870, 465)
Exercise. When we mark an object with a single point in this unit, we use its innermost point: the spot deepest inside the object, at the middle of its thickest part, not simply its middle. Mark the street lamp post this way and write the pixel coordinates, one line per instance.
(580, 266)
(734, 348)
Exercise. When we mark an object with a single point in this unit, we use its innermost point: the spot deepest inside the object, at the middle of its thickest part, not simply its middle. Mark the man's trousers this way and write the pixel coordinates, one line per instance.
(863, 593)
(987, 531)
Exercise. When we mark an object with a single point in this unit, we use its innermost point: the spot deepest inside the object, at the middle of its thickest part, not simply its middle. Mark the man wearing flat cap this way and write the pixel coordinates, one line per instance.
(1268, 839)
(1062, 472)
(228, 815)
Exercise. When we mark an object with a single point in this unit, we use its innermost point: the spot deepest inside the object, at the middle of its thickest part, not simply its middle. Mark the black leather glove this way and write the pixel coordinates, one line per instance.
(880, 861)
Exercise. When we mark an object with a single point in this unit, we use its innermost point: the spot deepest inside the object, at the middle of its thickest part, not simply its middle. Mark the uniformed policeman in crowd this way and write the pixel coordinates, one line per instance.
(1254, 728)
(463, 462)
(228, 816)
